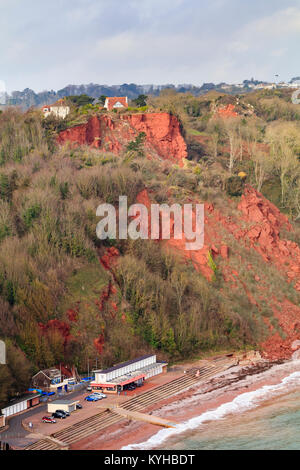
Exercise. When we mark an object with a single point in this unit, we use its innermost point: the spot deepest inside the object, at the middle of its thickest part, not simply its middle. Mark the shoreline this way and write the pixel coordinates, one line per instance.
(221, 389)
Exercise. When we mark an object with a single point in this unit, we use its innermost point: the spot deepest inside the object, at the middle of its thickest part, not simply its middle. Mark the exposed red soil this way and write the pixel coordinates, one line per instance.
(163, 134)
(227, 111)
(264, 222)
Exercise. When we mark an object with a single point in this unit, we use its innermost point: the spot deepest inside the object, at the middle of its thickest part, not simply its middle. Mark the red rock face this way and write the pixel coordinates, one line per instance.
(267, 221)
(85, 134)
(264, 222)
(163, 134)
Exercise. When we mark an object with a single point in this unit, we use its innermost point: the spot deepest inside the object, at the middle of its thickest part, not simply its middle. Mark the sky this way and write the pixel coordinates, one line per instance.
(50, 44)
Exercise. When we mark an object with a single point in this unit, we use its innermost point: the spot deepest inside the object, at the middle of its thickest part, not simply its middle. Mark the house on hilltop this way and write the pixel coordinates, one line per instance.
(116, 102)
(59, 109)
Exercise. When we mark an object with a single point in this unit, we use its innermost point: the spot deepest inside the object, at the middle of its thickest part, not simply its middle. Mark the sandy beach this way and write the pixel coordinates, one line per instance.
(222, 389)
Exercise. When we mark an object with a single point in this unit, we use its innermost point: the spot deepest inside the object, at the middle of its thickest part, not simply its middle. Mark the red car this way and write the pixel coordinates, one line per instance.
(48, 419)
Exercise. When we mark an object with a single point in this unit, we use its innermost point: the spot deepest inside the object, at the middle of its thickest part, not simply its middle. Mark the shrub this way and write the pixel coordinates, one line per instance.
(234, 186)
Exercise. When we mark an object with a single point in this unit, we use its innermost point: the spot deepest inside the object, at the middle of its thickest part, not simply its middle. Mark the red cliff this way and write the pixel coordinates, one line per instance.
(113, 133)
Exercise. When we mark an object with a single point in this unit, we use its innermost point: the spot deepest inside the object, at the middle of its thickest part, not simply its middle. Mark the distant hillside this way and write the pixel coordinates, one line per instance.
(28, 97)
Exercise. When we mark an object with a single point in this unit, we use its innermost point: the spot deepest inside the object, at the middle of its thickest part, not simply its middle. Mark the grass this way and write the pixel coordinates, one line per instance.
(85, 285)
(195, 132)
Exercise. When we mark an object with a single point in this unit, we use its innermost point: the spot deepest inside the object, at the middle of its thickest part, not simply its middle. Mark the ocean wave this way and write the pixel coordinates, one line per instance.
(242, 402)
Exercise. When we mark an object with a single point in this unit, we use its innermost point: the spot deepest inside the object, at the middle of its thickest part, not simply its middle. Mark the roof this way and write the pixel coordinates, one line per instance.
(64, 402)
(112, 100)
(124, 364)
(60, 102)
(21, 399)
(120, 381)
(50, 373)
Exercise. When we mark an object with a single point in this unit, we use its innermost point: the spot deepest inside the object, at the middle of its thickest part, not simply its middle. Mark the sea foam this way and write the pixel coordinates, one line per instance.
(242, 402)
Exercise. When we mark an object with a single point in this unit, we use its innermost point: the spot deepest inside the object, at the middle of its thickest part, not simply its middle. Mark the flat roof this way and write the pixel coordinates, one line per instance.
(132, 376)
(124, 364)
(63, 402)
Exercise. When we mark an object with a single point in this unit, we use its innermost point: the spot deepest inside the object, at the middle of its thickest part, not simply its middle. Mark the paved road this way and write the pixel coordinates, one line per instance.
(15, 435)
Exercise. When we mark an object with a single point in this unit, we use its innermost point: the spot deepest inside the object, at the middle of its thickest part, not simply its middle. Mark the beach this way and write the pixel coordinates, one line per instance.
(235, 390)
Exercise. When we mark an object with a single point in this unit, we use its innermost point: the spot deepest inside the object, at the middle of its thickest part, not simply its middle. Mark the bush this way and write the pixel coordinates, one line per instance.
(234, 186)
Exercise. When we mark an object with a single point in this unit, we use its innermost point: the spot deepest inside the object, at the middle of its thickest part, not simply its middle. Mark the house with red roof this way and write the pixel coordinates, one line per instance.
(116, 102)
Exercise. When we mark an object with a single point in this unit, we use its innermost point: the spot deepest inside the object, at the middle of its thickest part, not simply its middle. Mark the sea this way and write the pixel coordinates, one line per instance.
(267, 418)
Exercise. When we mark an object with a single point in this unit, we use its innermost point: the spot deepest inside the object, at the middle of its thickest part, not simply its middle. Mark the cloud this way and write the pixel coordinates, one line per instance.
(51, 44)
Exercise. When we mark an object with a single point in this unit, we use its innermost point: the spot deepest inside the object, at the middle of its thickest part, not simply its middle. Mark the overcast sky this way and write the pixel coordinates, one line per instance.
(50, 44)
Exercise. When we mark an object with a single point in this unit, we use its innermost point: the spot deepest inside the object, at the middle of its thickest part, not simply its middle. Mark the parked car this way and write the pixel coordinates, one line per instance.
(92, 398)
(48, 419)
(63, 411)
(100, 394)
(89, 389)
(96, 395)
(78, 406)
(58, 415)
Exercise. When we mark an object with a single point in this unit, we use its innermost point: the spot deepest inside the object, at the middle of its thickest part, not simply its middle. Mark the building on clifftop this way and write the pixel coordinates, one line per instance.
(116, 102)
(59, 109)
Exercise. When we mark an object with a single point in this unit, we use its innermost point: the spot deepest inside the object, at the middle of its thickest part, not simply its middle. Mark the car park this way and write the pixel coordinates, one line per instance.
(48, 419)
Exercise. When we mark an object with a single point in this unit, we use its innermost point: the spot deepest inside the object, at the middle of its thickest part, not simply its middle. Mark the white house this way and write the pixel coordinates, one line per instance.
(58, 109)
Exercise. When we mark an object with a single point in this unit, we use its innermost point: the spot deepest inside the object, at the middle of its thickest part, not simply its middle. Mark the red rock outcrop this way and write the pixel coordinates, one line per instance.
(163, 134)
(227, 111)
(266, 221)
(84, 134)
(263, 223)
